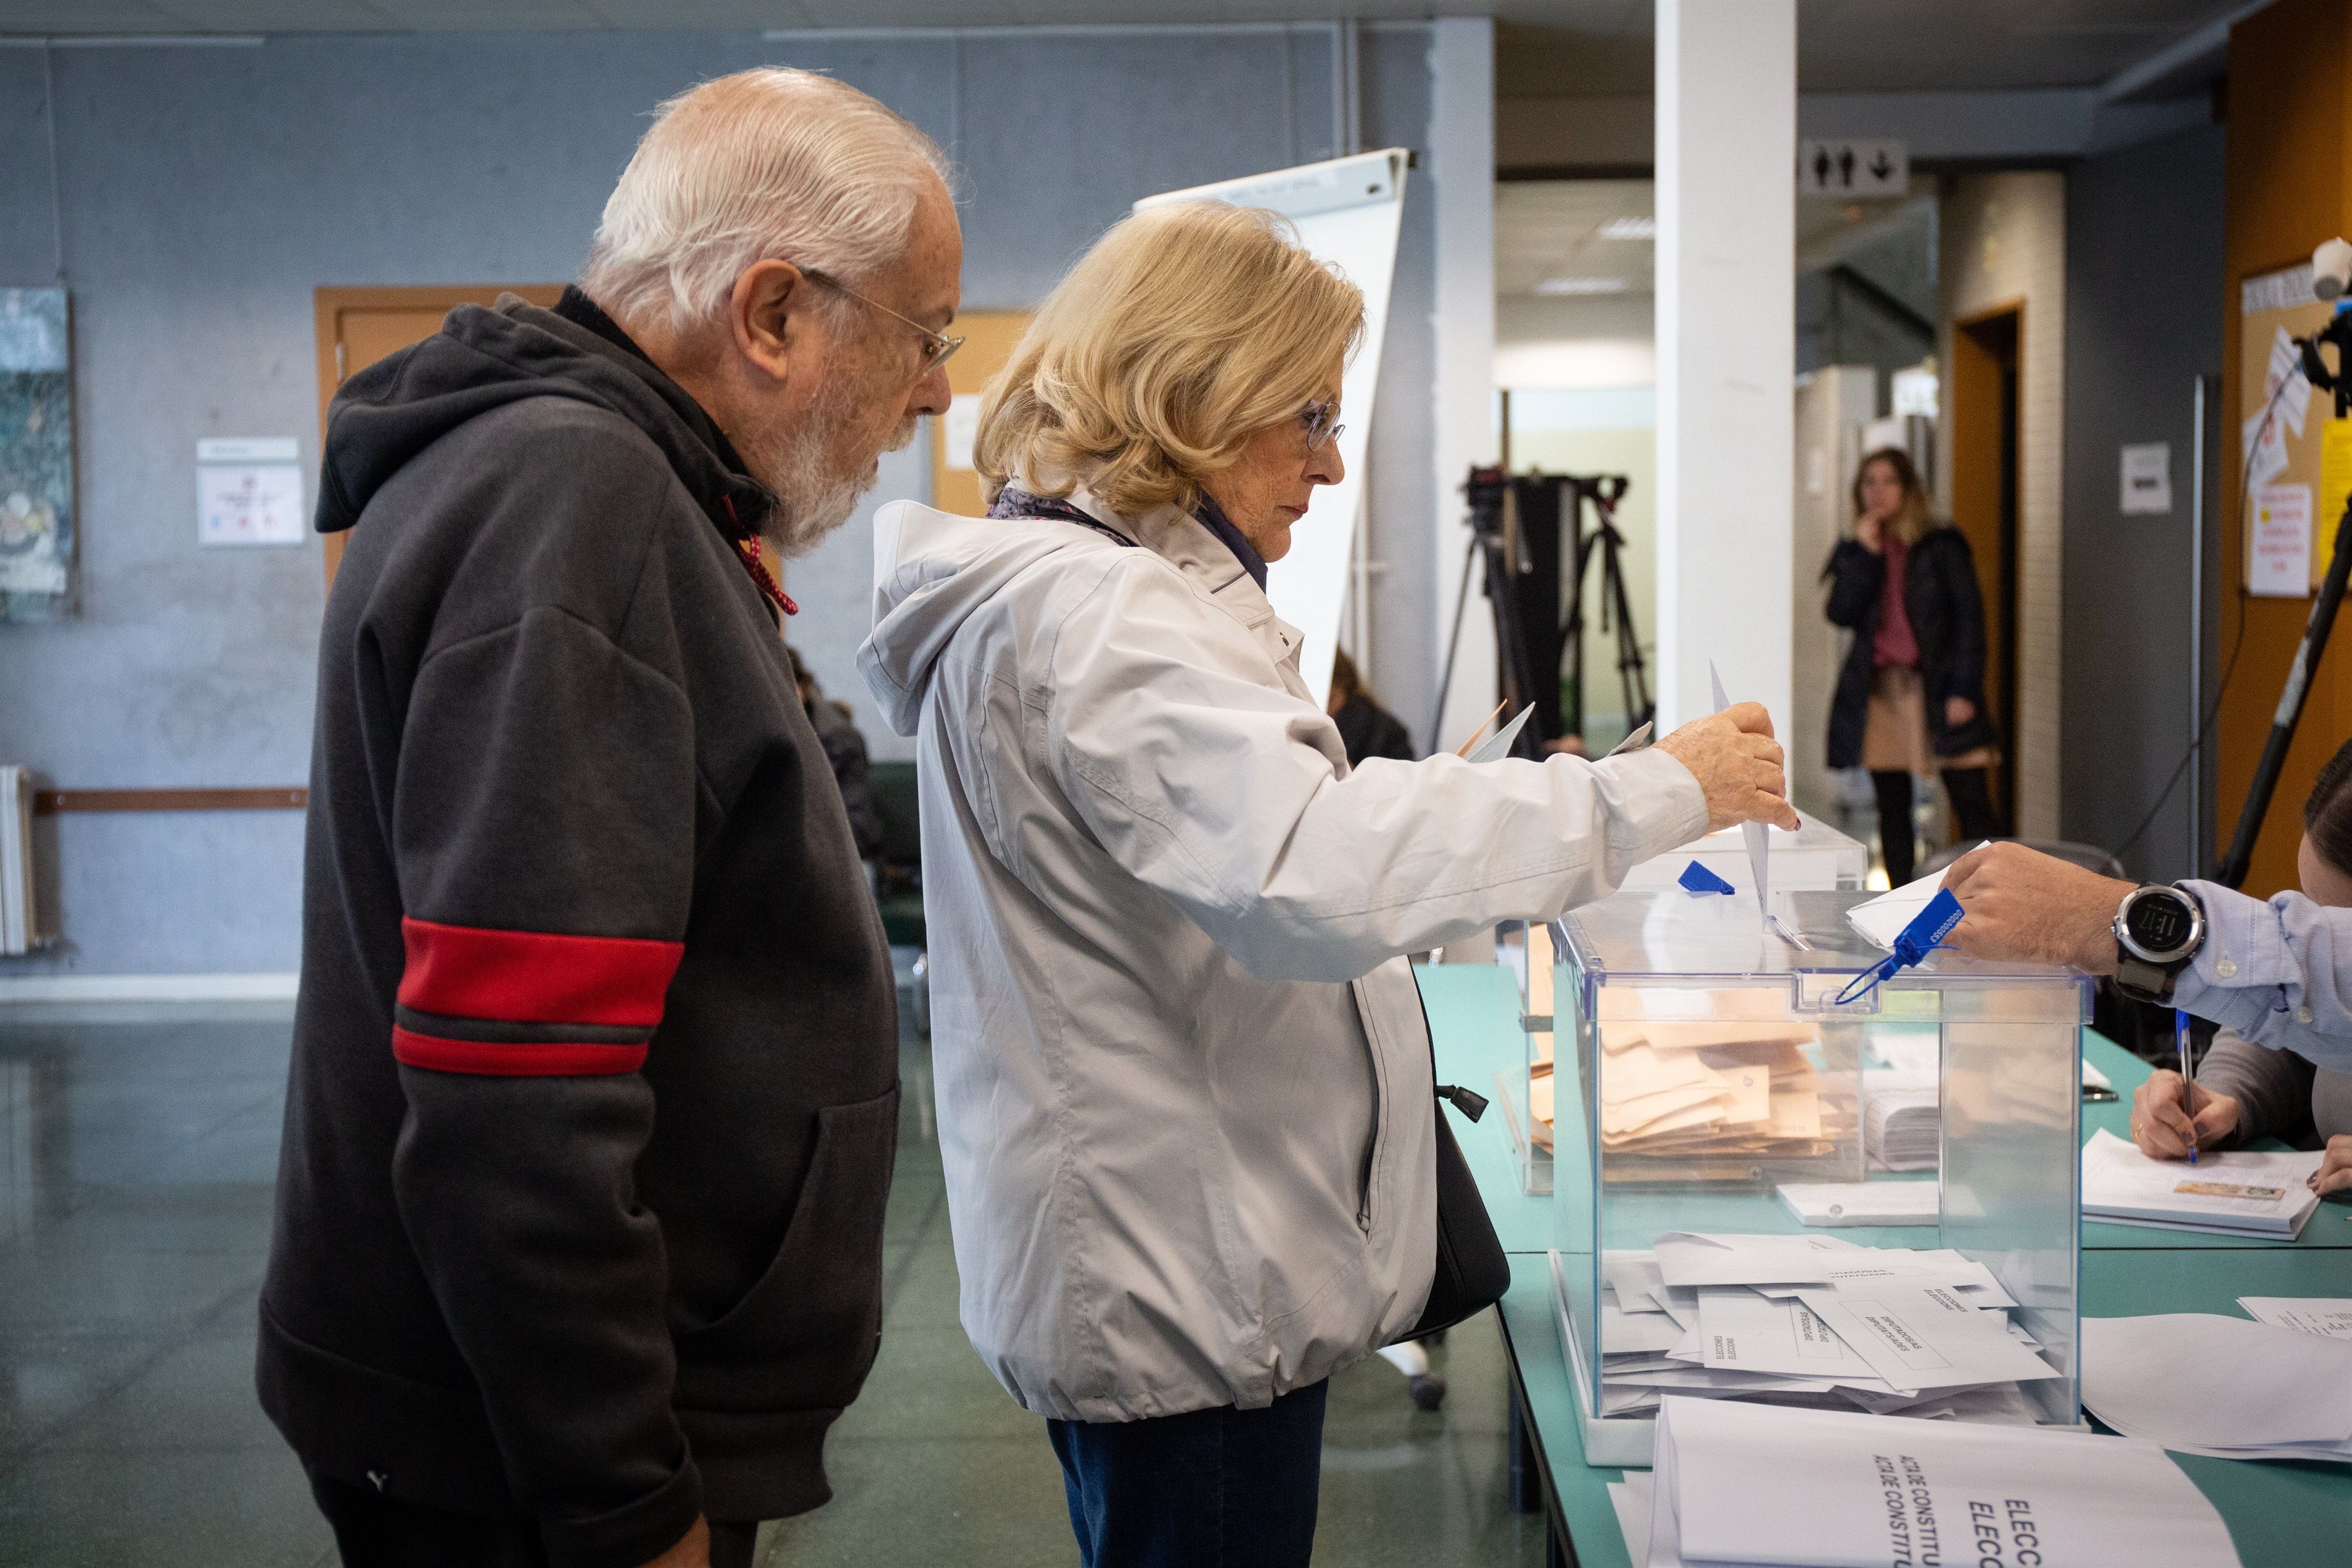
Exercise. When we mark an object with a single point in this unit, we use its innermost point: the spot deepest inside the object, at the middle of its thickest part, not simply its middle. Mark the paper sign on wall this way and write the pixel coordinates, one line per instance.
(2147, 480)
(249, 492)
(2278, 546)
(962, 424)
(2262, 439)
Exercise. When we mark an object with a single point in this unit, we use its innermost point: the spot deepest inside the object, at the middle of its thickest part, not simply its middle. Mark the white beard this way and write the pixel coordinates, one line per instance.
(812, 499)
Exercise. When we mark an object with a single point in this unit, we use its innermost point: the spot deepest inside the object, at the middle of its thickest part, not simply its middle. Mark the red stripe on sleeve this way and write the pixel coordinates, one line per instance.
(512, 1060)
(535, 977)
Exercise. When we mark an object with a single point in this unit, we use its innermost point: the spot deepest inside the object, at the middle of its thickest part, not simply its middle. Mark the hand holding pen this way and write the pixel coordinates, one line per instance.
(2187, 1075)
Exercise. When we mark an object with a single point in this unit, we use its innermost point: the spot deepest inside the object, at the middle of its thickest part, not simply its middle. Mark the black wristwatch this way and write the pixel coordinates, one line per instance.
(2158, 930)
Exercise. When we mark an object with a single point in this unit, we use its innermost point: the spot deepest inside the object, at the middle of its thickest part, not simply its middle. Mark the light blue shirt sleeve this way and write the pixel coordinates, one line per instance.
(2280, 973)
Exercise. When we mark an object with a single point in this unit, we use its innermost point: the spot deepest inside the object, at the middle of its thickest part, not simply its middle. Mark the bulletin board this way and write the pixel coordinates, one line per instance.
(989, 337)
(2290, 484)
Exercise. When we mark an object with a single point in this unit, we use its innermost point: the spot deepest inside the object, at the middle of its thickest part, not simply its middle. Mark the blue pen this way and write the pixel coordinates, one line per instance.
(2188, 1078)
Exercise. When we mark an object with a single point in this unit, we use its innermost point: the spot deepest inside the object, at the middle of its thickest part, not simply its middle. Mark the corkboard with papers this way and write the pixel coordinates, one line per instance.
(2297, 457)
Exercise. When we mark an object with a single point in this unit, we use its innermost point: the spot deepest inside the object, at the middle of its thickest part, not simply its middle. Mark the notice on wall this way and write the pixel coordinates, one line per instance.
(2147, 480)
(2279, 544)
(2280, 435)
(249, 492)
(962, 429)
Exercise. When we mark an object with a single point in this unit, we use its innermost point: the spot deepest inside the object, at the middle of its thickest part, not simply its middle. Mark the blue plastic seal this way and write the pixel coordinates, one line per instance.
(1696, 878)
(1912, 943)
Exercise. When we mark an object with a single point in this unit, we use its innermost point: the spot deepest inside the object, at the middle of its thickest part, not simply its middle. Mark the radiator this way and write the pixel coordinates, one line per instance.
(21, 928)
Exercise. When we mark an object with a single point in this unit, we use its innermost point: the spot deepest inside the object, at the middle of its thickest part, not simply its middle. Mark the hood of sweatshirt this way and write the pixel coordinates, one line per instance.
(487, 357)
(932, 571)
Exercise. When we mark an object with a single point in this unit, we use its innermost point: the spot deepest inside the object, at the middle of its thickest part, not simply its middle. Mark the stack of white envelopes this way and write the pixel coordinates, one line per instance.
(1812, 1320)
(2204, 1383)
(1733, 1484)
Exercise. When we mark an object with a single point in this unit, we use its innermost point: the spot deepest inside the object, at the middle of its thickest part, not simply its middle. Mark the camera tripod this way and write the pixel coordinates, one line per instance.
(1514, 549)
(1603, 492)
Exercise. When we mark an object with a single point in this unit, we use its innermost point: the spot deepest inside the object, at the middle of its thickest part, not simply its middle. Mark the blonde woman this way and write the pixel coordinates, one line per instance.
(1910, 697)
(1184, 1086)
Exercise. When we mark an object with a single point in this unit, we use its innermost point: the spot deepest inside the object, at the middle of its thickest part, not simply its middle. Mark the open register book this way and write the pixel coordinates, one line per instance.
(2240, 1193)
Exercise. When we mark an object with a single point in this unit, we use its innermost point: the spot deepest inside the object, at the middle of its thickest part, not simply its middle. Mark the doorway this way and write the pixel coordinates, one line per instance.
(1985, 506)
(357, 326)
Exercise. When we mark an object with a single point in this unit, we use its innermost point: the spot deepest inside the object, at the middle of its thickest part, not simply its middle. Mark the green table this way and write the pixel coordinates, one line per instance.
(2280, 1515)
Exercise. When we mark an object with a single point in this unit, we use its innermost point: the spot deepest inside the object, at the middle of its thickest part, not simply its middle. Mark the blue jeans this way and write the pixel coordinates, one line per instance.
(1209, 1489)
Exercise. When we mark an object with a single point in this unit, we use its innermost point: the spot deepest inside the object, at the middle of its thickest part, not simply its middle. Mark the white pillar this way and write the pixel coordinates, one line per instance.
(1462, 172)
(1726, 351)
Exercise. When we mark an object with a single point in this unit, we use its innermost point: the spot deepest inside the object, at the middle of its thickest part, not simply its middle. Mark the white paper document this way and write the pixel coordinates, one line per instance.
(1631, 1499)
(1498, 745)
(1759, 842)
(2202, 1384)
(2330, 1316)
(1740, 1331)
(1839, 1203)
(2242, 1191)
(1687, 1258)
(1751, 1484)
(1881, 919)
(1925, 1336)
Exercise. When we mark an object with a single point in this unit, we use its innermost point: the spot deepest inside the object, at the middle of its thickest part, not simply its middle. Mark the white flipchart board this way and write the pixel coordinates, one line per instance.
(1348, 212)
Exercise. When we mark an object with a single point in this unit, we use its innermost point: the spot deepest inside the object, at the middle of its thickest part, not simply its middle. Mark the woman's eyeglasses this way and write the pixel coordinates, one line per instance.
(936, 346)
(1315, 419)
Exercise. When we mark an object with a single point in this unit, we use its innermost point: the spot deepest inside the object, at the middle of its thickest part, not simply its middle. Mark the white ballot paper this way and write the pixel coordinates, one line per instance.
(1759, 837)
(1498, 745)
(2241, 1192)
(2202, 1384)
(1631, 1499)
(1687, 1258)
(1835, 1203)
(1752, 1484)
(2330, 1316)
(1925, 1336)
(1740, 1331)
(1881, 919)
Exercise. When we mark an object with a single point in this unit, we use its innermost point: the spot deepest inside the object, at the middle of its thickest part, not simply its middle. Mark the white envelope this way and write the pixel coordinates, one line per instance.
(1926, 1337)
(1740, 1331)
(1689, 1257)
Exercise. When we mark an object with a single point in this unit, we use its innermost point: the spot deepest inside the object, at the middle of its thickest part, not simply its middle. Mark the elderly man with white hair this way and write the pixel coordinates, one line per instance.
(594, 1088)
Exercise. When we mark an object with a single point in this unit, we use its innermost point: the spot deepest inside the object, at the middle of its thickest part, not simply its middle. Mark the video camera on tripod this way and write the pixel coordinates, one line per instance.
(1519, 524)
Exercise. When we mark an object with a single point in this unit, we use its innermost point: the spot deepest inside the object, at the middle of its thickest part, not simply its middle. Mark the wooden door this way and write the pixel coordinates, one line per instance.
(1984, 414)
(988, 337)
(357, 326)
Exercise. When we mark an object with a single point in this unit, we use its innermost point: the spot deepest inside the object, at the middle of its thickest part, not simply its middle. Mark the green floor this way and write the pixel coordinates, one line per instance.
(136, 1151)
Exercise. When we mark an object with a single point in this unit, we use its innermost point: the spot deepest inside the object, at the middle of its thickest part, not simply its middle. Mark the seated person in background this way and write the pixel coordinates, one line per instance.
(1366, 729)
(2244, 1092)
(845, 750)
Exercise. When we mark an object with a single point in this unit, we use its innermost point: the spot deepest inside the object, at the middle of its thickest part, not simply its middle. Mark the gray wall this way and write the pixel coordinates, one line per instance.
(206, 192)
(2144, 296)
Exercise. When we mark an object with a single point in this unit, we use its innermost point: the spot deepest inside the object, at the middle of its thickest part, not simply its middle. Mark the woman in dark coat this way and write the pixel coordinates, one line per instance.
(1910, 698)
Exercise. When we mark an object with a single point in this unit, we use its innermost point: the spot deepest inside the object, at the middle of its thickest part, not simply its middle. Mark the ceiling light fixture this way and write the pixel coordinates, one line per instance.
(1585, 285)
(1629, 228)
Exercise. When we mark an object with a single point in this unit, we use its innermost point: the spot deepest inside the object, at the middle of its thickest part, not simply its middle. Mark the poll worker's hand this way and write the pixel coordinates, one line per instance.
(692, 1552)
(1738, 763)
(2335, 1172)
(2160, 1126)
(1870, 534)
(1958, 711)
(2023, 904)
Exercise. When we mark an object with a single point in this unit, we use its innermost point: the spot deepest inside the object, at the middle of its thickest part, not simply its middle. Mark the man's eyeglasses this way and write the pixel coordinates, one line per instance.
(1315, 419)
(938, 347)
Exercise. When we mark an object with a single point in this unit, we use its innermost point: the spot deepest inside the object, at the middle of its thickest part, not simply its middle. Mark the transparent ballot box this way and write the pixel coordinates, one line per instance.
(1816, 857)
(1524, 1091)
(1765, 1193)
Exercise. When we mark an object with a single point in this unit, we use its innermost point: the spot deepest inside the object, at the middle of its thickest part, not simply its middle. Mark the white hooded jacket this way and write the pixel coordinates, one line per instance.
(1185, 1092)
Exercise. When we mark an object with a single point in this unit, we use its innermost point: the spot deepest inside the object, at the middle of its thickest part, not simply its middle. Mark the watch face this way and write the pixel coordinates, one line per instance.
(2159, 924)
